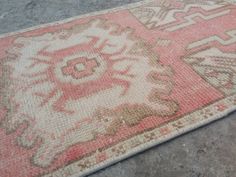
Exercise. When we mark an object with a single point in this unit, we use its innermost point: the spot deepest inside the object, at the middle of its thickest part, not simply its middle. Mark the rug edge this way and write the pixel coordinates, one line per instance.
(66, 20)
(163, 140)
(166, 139)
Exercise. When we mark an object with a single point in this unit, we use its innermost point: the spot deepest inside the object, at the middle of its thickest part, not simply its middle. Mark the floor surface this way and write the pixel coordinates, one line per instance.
(206, 152)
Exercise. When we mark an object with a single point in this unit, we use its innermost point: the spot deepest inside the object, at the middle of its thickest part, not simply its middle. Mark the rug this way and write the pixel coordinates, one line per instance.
(86, 92)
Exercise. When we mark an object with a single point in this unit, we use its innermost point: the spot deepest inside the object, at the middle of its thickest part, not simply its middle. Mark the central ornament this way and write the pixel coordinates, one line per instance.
(83, 70)
(80, 67)
(83, 82)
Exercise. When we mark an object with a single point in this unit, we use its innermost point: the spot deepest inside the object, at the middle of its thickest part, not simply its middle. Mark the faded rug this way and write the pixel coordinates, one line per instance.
(81, 94)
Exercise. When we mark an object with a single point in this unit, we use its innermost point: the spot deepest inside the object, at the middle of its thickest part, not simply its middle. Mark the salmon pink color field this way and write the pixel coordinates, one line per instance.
(81, 94)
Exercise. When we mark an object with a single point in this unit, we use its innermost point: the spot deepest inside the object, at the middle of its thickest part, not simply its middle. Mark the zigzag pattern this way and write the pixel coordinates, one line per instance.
(205, 13)
(189, 20)
(232, 39)
(164, 17)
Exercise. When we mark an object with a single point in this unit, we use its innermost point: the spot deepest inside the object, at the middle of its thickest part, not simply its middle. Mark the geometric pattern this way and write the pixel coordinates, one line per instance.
(163, 14)
(216, 67)
(61, 78)
(231, 39)
(78, 95)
